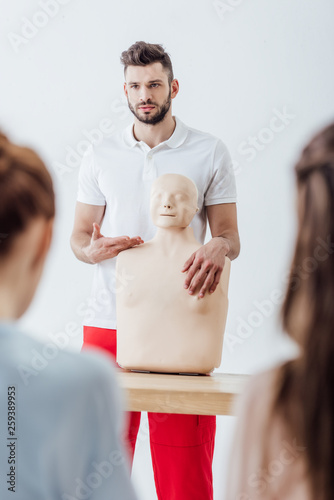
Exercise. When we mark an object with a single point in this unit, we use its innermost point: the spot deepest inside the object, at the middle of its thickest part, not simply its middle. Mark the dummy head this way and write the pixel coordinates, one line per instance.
(173, 201)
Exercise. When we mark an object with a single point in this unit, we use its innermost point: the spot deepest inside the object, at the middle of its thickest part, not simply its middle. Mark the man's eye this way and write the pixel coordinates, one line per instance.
(154, 85)
(133, 86)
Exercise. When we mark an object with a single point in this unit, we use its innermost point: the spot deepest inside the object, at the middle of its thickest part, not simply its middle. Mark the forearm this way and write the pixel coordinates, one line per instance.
(79, 243)
(231, 243)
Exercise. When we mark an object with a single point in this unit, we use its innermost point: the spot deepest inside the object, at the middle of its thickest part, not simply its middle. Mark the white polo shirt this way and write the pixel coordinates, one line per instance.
(119, 172)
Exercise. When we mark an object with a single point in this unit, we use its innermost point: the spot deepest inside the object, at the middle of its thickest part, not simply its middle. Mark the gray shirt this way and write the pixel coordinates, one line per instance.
(60, 422)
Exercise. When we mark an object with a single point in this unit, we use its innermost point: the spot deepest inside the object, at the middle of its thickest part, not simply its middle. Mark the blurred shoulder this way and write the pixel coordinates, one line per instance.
(37, 365)
(92, 367)
(258, 393)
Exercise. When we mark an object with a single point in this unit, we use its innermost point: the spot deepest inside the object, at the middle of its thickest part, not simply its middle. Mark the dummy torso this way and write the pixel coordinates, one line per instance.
(160, 327)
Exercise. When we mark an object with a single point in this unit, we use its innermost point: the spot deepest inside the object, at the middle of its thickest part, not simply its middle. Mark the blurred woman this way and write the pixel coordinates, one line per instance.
(284, 442)
(59, 411)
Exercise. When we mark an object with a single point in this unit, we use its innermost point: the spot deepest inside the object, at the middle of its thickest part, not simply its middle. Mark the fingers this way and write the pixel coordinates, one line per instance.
(191, 273)
(205, 276)
(112, 242)
(208, 283)
(188, 263)
(122, 240)
(102, 248)
(204, 273)
(126, 244)
(131, 242)
(216, 281)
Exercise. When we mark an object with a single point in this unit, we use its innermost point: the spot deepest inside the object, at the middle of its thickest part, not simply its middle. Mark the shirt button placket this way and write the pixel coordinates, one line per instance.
(149, 168)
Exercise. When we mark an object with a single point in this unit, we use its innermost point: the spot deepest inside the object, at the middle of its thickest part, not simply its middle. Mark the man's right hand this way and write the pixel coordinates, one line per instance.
(102, 247)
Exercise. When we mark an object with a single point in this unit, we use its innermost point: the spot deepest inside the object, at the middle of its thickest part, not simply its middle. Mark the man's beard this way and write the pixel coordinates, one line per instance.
(158, 117)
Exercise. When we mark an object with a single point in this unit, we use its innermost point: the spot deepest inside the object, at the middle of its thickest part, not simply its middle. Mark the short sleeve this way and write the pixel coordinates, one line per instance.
(88, 187)
(222, 187)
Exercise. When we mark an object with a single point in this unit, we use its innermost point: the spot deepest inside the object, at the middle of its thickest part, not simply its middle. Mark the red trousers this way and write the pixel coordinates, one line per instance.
(181, 445)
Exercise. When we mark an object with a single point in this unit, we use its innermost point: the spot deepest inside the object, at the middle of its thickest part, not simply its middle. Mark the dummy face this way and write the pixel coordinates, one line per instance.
(148, 92)
(173, 201)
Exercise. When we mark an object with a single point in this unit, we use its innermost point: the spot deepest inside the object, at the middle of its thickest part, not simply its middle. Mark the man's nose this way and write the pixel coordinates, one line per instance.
(145, 95)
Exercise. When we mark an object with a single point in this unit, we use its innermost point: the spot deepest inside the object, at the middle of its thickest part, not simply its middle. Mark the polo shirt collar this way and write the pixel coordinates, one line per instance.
(176, 139)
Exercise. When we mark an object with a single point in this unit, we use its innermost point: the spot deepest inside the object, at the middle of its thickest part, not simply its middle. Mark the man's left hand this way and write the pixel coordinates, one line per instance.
(205, 266)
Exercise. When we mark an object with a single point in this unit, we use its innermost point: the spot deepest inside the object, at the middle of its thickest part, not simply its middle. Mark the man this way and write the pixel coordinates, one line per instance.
(114, 188)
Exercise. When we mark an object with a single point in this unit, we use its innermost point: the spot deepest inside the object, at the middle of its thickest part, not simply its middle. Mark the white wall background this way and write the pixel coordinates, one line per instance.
(238, 63)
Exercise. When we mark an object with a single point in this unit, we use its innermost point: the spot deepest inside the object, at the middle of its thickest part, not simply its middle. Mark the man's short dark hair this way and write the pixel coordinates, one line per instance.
(142, 53)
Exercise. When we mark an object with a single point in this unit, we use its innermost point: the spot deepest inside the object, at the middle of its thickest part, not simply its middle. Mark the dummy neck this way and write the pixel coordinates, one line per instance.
(172, 238)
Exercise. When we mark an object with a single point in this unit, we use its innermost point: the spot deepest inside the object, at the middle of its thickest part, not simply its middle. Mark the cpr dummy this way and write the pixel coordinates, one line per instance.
(160, 326)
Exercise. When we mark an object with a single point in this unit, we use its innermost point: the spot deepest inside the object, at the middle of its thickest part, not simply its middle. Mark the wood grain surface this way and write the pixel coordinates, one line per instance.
(212, 394)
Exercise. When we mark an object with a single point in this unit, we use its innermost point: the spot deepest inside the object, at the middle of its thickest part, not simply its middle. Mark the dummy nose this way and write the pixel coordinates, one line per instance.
(167, 204)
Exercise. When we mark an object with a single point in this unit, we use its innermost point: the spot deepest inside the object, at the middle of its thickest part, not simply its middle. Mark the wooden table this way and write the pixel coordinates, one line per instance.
(189, 394)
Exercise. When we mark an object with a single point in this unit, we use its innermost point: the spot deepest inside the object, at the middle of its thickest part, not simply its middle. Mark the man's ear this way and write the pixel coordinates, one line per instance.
(125, 89)
(174, 88)
(44, 242)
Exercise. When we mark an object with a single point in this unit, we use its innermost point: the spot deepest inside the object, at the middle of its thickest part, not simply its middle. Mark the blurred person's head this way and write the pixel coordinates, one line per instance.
(310, 292)
(305, 394)
(27, 209)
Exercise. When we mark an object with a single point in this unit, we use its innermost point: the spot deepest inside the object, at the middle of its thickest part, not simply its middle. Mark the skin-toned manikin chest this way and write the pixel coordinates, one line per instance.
(160, 327)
